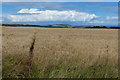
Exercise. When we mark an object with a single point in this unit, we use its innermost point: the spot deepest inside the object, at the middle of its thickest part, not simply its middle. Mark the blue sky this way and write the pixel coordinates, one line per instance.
(59, 0)
(73, 13)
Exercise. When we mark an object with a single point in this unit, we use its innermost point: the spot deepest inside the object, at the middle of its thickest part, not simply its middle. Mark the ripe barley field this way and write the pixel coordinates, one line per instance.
(59, 53)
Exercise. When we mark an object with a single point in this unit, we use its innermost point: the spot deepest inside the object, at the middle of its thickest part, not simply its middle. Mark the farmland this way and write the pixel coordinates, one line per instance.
(59, 52)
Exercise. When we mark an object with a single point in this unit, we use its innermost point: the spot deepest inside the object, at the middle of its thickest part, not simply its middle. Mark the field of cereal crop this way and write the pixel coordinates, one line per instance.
(59, 53)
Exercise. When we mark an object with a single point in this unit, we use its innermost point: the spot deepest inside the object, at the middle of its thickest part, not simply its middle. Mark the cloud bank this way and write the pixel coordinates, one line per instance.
(96, 21)
(35, 15)
(111, 18)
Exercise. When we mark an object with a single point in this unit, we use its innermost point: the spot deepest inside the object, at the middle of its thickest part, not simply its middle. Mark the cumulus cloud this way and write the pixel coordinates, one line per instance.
(50, 15)
(32, 10)
(111, 18)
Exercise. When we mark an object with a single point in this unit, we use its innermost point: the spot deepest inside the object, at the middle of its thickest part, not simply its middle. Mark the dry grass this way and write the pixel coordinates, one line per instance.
(60, 53)
(0, 52)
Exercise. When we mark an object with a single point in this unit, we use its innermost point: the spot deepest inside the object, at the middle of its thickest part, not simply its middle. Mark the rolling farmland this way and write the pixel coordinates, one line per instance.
(59, 53)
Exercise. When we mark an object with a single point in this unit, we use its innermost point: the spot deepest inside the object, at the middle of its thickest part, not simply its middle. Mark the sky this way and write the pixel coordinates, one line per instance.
(60, 0)
(73, 13)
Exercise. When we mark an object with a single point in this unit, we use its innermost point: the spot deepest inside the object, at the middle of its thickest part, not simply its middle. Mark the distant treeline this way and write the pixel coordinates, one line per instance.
(48, 26)
(24, 25)
(103, 27)
(97, 27)
(57, 26)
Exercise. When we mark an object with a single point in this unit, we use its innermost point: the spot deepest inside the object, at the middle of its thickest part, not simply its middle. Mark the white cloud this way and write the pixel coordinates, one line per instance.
(96, 21)
(1, 20)
(50, 15)
(32, 10)
(111, 18)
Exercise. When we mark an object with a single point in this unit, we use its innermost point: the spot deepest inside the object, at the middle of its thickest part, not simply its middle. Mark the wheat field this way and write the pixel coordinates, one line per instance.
(29, 52)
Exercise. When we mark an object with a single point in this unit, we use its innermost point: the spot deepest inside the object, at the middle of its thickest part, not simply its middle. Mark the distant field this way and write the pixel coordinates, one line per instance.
(59, 53)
